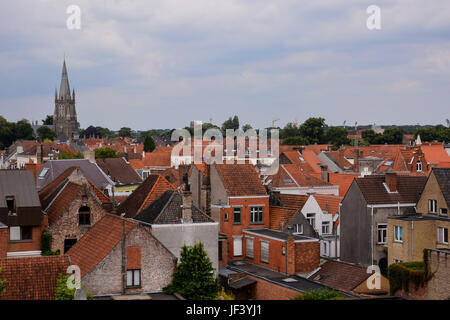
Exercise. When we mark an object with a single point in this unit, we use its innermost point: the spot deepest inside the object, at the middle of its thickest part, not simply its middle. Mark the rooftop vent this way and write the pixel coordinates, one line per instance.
(289, 280)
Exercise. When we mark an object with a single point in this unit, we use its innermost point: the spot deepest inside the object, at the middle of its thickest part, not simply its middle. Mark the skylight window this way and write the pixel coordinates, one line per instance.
(288, 181)
(388, 163)
(43, 173)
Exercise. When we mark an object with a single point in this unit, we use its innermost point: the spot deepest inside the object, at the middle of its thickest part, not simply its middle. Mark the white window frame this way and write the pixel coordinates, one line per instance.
(237, 246)
(298, 228)
(441, 212)
(254, 211)
(441, 233)
(397, 234)
(15, 234)
(249, 249)
(419, 166)
(313, 219)
(432, 206)
(134, 278)
(383, 228)
(326, 224)
(263, 257)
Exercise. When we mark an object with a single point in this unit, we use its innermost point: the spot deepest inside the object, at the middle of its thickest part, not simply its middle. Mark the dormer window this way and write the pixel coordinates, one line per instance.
(419, 165)
(11, 204)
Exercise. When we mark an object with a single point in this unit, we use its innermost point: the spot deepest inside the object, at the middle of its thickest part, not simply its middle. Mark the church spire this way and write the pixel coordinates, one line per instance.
(64, 89)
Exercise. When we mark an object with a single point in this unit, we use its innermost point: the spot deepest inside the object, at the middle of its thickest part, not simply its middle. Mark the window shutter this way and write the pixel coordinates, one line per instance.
(265, 251)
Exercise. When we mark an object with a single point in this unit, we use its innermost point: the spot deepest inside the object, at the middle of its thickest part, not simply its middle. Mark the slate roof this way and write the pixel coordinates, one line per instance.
(409, 189)
(119, 171)
(300, 284)
(276, 234)
(20, 184)
(167, 209)
(443, 178)
(91, 171)
(152, 188)
(240, 180)
(340, 275)
(32, 278)
(95, 245)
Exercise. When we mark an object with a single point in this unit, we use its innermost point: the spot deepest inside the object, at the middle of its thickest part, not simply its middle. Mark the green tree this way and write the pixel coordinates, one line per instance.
(7, 136)
(70, 155)
(231, 123)
(104, 132)
(45, 132)
(290, 130)
(2, 285)
(246, 127)
(149, 144)
(319, 295)
(393, 135)
(295, 141)
(125, 132)
(106, 152)
(337, 136)
(48, 121)
(193, 277)
(313, 129)
(369, 136)
(23, 130)
(64, 293)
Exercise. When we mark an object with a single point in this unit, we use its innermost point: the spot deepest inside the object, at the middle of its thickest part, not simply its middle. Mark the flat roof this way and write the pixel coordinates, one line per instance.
(278, 235)
(424, 217)
(295, 282)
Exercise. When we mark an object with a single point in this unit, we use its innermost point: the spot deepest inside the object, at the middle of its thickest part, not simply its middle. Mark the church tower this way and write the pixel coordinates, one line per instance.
(65, 115)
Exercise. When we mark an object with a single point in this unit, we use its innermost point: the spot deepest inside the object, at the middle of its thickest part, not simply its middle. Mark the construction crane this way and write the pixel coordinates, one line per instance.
(273, 122)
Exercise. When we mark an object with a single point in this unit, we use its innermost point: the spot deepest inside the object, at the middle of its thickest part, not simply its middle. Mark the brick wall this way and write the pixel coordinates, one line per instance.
(157, 266)
(32, 245)
(3, 242)
(67, 224)
(307, 256)
(265, 290)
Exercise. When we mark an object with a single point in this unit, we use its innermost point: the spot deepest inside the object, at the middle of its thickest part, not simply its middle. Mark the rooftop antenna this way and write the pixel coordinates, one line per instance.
(448, 122)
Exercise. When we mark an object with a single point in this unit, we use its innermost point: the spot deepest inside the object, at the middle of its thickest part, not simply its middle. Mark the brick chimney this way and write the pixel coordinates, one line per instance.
(39, 153)
(324, 172)
(391, 181)
(3, 241)
(187, 207)
(290, 255)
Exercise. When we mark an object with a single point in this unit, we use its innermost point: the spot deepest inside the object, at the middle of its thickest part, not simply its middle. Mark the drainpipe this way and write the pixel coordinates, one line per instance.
(123, 254)
(371, 231)
(412, 240)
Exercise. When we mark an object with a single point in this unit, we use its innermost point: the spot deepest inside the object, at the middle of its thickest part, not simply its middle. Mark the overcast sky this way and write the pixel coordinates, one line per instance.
(159, 64)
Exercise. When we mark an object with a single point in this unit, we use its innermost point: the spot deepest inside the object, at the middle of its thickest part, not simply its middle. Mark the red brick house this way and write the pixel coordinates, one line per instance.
(239, 201)
(280, 251)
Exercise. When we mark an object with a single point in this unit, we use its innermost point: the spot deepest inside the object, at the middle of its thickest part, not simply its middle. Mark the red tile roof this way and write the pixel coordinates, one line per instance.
(435, 153)
(278, 215)
(62, 201)
(300, 177)
(98, 242)
(328, 203)
(240, 180)
(340, 275)
(32, 278)
(344, 181)
(151, 189)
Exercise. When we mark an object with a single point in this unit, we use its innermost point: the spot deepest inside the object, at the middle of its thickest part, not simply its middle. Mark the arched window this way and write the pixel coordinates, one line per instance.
(419, 165)
(84, 216)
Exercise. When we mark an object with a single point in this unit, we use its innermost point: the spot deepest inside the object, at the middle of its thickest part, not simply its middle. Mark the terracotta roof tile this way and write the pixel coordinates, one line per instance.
(152, 188)
(240, 180)
(62, 201)
(278, 215)
(344, 181)
(95, 245)
(32, 278)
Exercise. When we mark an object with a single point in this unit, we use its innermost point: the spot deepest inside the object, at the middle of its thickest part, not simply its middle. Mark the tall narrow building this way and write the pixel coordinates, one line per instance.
(65, 115)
